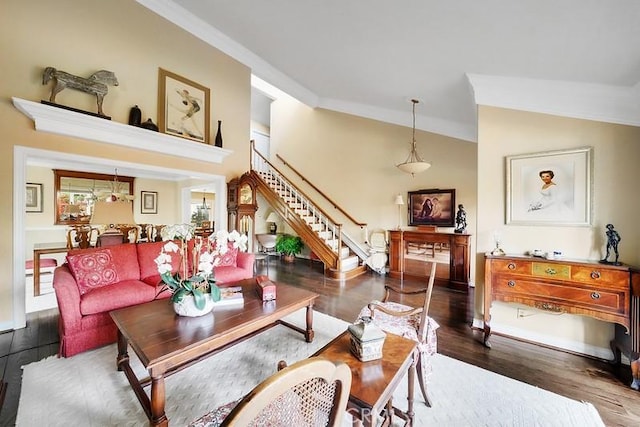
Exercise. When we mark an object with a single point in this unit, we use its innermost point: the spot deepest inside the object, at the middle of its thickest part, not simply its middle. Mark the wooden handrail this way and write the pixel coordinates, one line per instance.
(335, 205)
(292, 184)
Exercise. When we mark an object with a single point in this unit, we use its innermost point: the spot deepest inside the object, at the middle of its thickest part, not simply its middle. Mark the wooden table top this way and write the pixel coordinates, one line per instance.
(163, 340)
(373, 382)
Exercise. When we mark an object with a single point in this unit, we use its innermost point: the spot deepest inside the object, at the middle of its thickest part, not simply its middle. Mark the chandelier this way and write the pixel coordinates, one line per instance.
(414, 163)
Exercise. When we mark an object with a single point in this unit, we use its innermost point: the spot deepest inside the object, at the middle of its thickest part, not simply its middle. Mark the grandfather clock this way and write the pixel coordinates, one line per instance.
(242, 205)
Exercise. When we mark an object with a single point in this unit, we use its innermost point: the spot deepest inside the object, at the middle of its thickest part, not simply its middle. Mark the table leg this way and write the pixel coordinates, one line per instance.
(411, 381)
(158, 417)
(309, 333)
(123, 356)
(36, 274)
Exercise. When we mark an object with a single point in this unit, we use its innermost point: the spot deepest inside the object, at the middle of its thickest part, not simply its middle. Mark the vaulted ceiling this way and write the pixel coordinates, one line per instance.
(370, 57)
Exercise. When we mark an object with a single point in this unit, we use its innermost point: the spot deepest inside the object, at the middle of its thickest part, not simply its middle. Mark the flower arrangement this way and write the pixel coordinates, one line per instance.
(199, 281)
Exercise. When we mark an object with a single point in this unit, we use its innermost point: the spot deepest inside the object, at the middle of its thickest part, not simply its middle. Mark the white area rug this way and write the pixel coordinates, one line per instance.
(87, 390)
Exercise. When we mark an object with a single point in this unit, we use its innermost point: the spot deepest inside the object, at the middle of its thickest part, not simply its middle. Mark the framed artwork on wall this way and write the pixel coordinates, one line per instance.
(550, 188)
(33, 198)
(183, 107)
(148, 202)
(432, 207)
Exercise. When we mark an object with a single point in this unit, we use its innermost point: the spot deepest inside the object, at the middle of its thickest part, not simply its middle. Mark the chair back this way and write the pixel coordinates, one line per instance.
(311, 392)
(80, 236)
(422, 330)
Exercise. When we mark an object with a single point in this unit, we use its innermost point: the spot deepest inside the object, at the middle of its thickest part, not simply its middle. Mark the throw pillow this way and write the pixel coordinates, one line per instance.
(229, 259)
(93, 270)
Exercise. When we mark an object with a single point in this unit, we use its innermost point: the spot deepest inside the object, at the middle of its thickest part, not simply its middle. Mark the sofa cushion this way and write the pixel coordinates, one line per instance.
(124, 257)
(93, 270)
(229, 258)
(118, 295)
(147, 253)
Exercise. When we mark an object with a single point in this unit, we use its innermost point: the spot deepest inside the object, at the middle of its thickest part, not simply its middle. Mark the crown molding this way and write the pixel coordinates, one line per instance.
(207, 33)
(603, 103)
(70, 123)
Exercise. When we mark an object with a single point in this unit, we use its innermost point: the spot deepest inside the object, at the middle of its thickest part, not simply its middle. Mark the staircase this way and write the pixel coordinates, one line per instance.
(341, 257)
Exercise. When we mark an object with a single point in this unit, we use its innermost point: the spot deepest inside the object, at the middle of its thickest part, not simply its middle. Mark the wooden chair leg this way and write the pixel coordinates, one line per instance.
(421, 381)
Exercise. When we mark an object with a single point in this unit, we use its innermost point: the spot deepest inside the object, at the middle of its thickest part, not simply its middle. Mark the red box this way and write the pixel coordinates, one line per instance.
(266, 288)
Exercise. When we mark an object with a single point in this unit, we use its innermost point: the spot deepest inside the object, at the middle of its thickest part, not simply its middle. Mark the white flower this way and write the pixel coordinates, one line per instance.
(164, 268)
(170, 246)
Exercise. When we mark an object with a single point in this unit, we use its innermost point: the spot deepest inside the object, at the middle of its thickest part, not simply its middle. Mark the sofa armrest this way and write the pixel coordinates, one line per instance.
(245, 262)
(68, 297)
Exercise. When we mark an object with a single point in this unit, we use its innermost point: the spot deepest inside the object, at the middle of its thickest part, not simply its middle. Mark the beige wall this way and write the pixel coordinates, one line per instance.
(616, 174)
(353, 160)
(81, 37)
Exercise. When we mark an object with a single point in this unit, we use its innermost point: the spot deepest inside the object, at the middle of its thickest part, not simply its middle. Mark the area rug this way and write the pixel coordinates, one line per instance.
(87, 390)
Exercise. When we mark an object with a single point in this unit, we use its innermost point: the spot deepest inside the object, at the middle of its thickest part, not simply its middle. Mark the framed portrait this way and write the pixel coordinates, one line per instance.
(33, 197)
(149, 202)
(183, 107)
(550, 188)
(432, 207)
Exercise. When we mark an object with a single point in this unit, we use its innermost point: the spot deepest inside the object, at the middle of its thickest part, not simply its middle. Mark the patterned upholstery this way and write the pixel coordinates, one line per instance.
(409, 322)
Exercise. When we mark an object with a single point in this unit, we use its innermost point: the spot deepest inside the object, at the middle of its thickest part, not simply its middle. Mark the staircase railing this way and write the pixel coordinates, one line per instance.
(325, 226)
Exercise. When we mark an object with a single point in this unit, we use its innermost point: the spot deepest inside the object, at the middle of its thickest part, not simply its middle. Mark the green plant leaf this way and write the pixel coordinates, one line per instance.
(198, 298)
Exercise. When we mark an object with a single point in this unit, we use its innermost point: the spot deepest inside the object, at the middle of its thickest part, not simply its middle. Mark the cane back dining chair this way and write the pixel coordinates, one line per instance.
(309, 393)
(409, 322)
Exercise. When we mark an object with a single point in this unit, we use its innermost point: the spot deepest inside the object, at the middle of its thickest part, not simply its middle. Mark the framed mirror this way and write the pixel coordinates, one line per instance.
(76, 192)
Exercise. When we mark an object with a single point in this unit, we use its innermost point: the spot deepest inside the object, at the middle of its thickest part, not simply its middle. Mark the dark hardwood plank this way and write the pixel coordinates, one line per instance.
(570, 375)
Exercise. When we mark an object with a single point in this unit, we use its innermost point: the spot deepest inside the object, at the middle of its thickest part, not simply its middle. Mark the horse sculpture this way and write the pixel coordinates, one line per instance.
(96, 84)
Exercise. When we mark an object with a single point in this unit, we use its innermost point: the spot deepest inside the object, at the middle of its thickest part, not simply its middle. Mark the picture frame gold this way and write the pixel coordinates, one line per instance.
(183, 107)
(431, 207)
(550, 188)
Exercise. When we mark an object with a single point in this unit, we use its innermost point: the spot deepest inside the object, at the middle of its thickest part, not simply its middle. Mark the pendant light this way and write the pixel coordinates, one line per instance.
(414, 163)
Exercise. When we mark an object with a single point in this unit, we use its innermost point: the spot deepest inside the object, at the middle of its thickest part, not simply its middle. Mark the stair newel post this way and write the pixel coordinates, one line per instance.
(338, 230)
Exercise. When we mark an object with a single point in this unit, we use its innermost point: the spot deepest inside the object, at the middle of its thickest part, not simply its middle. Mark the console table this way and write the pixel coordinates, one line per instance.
(458, 243)
(602, 291)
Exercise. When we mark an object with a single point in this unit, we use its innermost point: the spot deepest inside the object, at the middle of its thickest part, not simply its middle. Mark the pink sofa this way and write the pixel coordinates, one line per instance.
(97, 280)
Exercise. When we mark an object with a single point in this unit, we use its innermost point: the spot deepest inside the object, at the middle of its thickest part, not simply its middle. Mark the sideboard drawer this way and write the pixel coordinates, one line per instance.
(604, 300)
(511, 266)
(601, 276)
(551, 270)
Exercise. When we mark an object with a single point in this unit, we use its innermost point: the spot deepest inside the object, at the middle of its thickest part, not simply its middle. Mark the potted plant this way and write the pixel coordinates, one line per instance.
(193, 289)
(289, 246)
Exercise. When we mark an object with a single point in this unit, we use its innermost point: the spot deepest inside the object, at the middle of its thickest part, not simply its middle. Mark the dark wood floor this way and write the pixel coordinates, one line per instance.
(576, 377)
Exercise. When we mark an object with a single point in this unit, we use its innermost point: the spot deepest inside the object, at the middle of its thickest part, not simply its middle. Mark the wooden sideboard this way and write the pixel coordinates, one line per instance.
(457, 243)
(602, 291)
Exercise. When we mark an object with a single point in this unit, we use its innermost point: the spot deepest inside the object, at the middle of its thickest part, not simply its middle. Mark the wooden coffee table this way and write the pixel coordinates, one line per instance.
(165, 342)
(373, 383)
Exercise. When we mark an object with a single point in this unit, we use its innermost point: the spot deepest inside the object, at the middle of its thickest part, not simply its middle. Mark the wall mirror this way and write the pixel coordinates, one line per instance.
(75, 193)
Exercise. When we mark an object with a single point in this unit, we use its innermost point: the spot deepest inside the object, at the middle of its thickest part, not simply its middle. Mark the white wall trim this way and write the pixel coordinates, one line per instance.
(569, 345)
(21, 158)
(200, 29)
(69, 123)
(609, 104)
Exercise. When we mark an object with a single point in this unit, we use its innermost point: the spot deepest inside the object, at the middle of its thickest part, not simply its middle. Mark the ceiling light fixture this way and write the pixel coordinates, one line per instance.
(414, 163)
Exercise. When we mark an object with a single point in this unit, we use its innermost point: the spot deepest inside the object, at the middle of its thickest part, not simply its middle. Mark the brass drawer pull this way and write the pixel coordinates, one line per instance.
(595, 295)
(595, 274)
(511, 266)
(550, 271)
(549, 307)
(511, 283)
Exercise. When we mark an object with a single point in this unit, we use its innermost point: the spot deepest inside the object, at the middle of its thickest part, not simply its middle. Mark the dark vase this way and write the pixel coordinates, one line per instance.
(149, 125)
(219, 135)
(135, 116)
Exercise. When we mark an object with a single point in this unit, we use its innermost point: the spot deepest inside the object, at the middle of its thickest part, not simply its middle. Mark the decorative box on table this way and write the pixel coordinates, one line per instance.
(366, 340)
(266, 288)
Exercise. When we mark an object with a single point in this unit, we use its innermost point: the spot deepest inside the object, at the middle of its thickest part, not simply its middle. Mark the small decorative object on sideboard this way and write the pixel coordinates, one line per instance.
(95, 84)
(461, 220)
(266, 288)
(218, 142)
(613, 238)
(366, 340)
(149, 125)
(135, 116)
(497, 251)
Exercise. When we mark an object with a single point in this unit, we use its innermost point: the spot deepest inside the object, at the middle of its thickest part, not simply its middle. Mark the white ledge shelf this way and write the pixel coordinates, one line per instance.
(64, 122)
